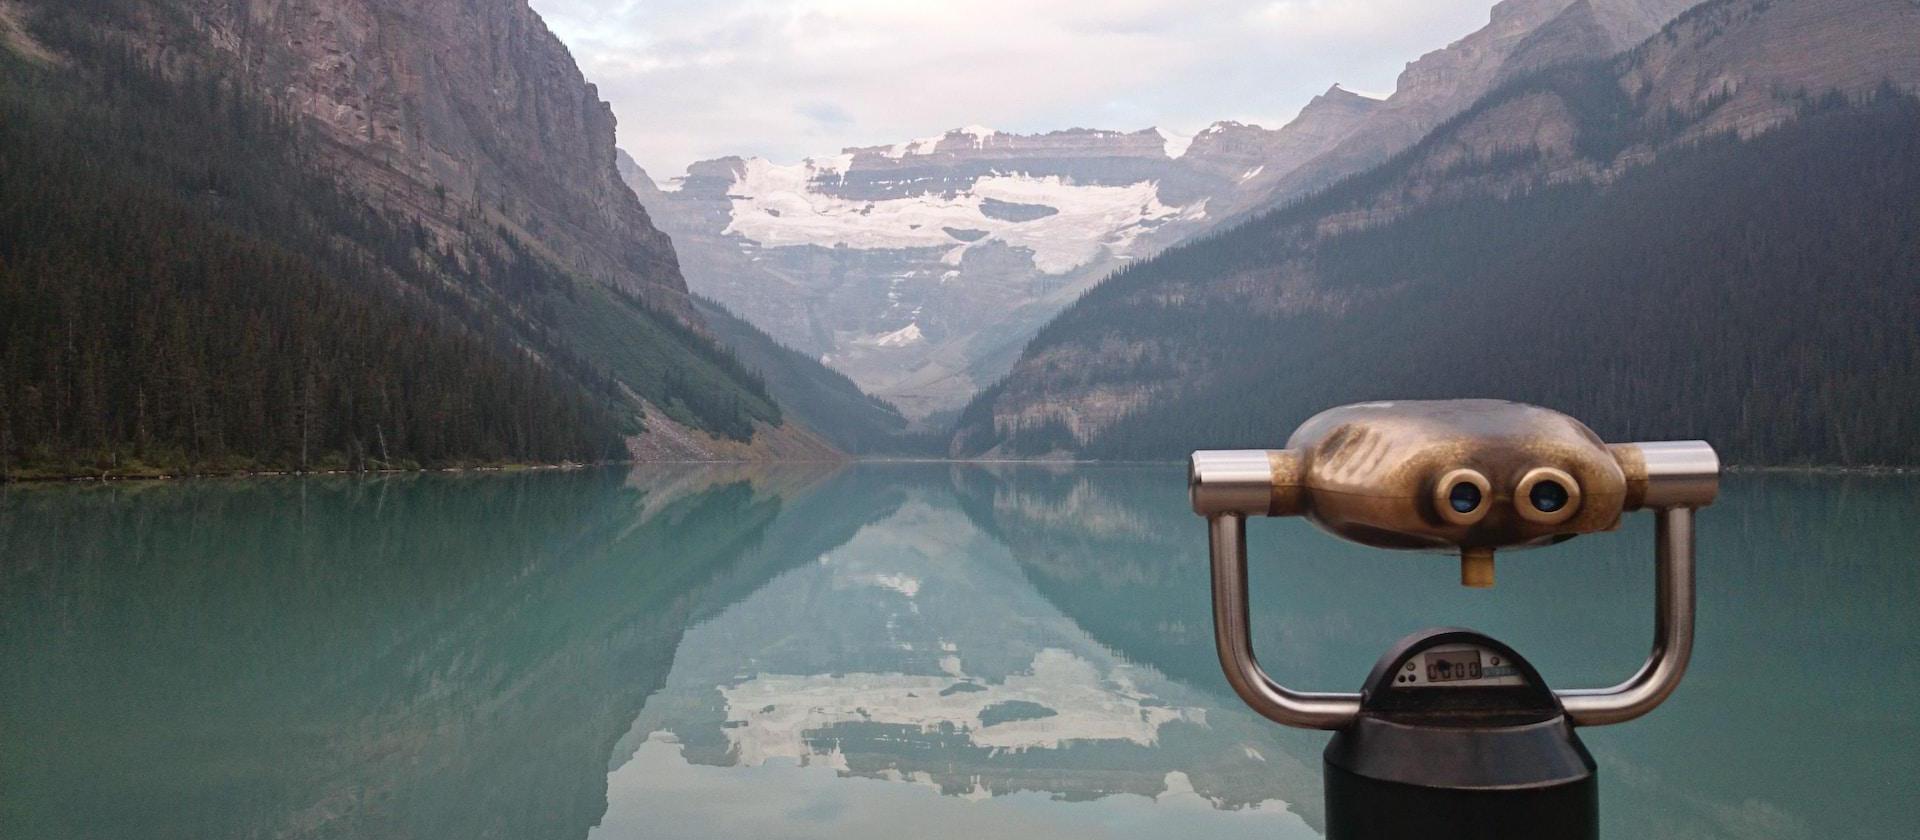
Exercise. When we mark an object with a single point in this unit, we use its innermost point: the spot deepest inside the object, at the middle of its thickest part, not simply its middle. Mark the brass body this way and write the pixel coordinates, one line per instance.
(1373, 473)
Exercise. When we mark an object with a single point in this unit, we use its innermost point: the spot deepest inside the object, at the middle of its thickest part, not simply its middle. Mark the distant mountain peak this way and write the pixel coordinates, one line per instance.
(977, 136)
(1643, 217)
(1250, 154)
(1340, 92)
(1338, 100)
(1589, 28)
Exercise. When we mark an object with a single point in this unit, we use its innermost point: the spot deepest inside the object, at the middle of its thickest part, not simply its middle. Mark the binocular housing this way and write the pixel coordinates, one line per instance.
(1471, 476)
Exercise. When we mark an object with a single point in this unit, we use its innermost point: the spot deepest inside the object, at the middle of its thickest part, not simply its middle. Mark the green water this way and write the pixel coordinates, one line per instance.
(882, 651)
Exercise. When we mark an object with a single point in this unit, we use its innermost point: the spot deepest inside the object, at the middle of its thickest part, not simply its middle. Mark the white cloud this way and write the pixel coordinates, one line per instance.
(696, 79)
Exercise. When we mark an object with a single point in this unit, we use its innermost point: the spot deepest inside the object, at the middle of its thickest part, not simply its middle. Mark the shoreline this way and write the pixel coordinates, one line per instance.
(1736, 469)
(228, 474)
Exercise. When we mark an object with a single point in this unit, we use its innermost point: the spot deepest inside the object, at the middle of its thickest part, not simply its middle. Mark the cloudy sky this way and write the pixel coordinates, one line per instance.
(784, 79)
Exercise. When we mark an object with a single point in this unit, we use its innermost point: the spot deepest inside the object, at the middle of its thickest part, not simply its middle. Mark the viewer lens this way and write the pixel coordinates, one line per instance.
(1548, 496)
(1464, 497)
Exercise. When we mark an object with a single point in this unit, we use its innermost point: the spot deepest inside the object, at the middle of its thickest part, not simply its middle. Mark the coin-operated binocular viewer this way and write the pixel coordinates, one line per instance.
(1454, 735)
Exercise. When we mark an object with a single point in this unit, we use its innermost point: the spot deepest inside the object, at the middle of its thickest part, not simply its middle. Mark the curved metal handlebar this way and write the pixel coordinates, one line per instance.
(1638, 695)
(1673, 599)
(1227, 544)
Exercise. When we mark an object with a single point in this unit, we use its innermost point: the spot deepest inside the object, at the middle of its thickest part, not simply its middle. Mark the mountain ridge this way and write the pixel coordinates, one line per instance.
(1553, 140)
(1521, 36)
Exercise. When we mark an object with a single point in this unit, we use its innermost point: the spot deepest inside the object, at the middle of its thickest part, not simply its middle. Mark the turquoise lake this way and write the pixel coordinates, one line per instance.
(878, 651)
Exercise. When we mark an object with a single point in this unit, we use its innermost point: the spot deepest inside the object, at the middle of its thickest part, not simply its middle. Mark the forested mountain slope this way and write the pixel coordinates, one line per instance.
(206, 269)
(1714, 235)
(190, 287)
(820, 397)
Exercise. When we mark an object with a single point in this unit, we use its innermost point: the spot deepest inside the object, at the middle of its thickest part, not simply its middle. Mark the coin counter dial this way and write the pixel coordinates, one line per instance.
(1457, 666)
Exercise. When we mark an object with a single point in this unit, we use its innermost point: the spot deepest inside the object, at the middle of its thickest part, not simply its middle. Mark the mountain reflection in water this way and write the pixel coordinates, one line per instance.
(919, 652)
(880, 650)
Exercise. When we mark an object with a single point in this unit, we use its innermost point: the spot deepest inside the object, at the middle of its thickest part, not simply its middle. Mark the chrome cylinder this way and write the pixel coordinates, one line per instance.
(1679, 473)
(1231, 481)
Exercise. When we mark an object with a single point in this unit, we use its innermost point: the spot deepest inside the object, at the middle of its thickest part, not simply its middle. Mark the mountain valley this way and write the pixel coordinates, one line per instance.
(920, 269)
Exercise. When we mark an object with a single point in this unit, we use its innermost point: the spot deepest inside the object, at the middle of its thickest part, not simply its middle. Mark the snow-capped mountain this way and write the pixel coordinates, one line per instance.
(920, 268)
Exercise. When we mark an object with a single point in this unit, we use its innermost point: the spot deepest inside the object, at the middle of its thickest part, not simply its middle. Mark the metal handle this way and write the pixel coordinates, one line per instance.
(1673, 599)
(1638, 695)
(1227, 543)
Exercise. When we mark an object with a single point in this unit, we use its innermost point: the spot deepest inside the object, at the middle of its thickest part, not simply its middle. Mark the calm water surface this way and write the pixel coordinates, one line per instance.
(881, 651)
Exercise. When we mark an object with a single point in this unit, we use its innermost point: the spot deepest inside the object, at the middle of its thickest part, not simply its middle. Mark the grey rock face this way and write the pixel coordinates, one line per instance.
(468, 115)
(1521, 36)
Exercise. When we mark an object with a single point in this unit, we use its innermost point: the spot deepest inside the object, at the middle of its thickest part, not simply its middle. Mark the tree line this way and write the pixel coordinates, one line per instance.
(179, 293)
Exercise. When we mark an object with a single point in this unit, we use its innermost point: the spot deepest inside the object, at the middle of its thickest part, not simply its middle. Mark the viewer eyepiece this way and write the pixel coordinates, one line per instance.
(1547, 496)
(1460, 496)
(1464, 497)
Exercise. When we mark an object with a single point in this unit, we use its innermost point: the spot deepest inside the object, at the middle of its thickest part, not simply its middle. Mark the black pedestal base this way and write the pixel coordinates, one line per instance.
(1360, 808)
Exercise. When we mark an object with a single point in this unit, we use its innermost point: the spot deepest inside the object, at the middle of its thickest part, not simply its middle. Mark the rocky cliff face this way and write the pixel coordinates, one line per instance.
(468, 115)
(1741, 65)
(1521, 36)
(1256, 159)
(1247, 152)
(1588, 29)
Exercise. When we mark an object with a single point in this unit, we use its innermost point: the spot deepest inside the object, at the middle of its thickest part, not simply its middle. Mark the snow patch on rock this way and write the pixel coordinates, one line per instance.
(776, 206)
(980, 134)
(1175, 144)
(903, 337)
(921, 146)
(834, 165)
